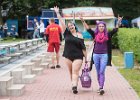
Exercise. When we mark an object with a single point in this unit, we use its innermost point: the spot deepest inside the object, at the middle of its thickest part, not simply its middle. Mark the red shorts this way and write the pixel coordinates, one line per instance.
(53, 46)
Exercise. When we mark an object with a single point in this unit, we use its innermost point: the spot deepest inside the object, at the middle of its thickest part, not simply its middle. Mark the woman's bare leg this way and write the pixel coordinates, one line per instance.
(69, 64)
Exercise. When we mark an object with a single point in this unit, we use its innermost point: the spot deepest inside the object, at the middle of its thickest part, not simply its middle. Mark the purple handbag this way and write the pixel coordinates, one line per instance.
(85, 77)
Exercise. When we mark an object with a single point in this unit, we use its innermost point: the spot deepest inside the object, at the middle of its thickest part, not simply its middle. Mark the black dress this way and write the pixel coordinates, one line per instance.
(73, 46)
(109, 45)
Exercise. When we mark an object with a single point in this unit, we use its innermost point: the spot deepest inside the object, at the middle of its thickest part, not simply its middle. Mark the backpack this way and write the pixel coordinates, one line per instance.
(85, 77)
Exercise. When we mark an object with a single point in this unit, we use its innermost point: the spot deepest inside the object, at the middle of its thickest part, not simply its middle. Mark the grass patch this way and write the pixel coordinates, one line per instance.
(10, 40)
(117, 58)
(131, 75)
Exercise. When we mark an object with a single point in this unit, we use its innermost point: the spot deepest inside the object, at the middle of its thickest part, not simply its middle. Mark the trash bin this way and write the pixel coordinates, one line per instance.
(128, 59)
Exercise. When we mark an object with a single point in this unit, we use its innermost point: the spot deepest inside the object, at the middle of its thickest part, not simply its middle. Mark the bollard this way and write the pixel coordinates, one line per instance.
(128, 59)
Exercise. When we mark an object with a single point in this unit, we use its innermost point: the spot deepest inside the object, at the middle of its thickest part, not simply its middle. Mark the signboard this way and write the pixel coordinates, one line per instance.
(88, 12)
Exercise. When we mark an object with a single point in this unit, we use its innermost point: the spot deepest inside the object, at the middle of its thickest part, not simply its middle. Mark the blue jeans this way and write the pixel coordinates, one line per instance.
(36, 34)
(13, 34)
(100, 61)
(1, 34)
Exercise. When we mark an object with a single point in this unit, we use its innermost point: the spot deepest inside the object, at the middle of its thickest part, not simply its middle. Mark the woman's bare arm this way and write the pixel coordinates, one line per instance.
(85, 55)
(56, 9)
(118, 22)
(84, 23)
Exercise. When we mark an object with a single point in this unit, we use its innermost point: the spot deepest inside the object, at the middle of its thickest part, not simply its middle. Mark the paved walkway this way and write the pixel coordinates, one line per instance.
(54, 84)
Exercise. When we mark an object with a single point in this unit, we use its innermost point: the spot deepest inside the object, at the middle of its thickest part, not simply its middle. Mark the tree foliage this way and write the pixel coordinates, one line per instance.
(20, 8)
(127, 8)
(85, 3)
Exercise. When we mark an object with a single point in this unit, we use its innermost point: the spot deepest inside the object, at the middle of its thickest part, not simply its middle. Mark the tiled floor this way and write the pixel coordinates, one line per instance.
(54, 84)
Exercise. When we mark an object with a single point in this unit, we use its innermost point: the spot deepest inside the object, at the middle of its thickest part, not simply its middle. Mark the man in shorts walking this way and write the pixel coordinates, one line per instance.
(53, 32)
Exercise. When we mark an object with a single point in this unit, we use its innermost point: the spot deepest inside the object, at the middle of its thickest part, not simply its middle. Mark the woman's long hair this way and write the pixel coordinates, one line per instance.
(76, 28)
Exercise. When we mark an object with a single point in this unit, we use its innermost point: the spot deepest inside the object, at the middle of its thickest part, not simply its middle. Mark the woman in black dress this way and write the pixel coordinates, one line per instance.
(74, 50)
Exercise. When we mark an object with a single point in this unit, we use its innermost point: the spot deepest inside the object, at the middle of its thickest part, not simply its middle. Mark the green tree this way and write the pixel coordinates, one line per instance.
(127, 8)
(0, 15)
(86, 3)
(1, 20)
(20, 8)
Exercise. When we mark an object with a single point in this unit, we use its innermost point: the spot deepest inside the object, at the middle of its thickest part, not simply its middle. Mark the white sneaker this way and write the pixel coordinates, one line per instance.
(98, 91)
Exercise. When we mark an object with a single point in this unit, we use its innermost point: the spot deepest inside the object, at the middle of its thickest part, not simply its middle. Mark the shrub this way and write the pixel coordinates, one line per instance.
(129, 40)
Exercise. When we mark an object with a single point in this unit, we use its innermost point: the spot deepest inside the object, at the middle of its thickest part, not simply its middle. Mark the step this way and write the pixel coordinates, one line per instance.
(28, 67)
(37, 71)
(5, 82)
(8, 74)
(44, 65)
(43, 58)
(17, 75)
(49, 60)
(40, 45)
(46, 53)
(37, 61)
(28, 78)
(34, 48)
(16, 90)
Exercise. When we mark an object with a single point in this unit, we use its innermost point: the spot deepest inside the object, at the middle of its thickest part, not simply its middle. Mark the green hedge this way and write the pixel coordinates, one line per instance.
(115, 41)
(129, 40)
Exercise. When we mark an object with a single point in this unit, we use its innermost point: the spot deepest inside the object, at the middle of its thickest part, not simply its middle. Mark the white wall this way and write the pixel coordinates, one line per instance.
(110, 23)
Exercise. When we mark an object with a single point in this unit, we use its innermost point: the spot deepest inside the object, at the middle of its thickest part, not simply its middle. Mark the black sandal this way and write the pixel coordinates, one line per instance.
(75, 89)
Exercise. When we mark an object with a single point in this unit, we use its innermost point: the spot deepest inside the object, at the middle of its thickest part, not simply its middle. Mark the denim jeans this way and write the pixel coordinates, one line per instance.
(13, 34)
(36, 34)
(1, 34)
(5, 33)
(100, 61)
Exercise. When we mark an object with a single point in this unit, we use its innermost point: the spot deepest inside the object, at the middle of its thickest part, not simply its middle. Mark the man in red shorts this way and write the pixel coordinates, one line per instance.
(53, 32)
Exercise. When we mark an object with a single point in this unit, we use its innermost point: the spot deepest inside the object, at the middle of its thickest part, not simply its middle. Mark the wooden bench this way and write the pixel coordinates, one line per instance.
(20, 48)
(15, 55)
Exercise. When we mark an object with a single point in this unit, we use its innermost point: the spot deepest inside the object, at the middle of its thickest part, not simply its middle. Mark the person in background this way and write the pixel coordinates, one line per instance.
(102, 47)
(36, 29)
(52, 33)
(5, 29)
(42, 29)
(1, 33)
(13, 31)
(74, 50)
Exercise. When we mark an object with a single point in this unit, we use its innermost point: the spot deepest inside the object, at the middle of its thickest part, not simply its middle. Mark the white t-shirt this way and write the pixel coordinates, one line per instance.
(41, 27)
